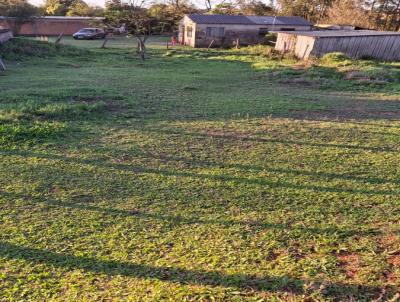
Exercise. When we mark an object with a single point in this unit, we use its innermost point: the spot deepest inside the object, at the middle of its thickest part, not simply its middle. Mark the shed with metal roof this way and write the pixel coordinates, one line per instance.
(199, 30)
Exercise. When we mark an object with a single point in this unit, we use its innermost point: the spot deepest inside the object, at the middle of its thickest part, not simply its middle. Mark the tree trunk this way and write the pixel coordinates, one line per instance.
(2, 65)
(141, 47)
(104, 42)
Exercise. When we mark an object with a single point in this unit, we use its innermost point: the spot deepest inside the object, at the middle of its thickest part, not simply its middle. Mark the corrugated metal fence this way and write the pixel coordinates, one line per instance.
(355, 44)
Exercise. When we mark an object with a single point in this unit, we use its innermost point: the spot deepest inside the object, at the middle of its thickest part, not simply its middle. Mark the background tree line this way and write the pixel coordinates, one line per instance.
(164, 16)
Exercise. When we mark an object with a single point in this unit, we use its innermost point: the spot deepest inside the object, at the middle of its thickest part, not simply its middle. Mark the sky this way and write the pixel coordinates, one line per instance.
(90, 2)
(198, 3)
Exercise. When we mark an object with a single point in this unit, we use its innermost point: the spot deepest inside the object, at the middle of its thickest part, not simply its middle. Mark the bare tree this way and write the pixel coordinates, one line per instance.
(210, 4)
(135, 16)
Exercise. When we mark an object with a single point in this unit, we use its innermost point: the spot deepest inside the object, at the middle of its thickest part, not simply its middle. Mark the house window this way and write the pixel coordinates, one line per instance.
(189, 31)
(215, 32)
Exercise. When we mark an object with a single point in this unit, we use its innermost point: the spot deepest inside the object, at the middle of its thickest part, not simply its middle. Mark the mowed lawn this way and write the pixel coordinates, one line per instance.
(198, 176)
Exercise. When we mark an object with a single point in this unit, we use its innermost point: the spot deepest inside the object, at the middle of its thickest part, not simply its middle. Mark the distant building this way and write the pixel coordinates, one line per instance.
(200, 30)
(381, 45)
(48, 26)
(338, 27)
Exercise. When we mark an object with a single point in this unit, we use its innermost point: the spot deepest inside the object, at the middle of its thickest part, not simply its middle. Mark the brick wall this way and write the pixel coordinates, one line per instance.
(45, 26)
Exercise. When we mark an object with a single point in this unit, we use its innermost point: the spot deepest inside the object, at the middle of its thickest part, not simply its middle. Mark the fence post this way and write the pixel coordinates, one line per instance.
(237, 43)
(104, 42)
(209, 46)
(58, 40)
(2, 65)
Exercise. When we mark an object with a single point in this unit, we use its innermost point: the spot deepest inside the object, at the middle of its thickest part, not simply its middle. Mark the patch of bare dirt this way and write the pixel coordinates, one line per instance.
(351, 112)
(247, 141)
(114, 107)
(391, 244)
(299, 81)
(394, 260)
(227, 134)
(303, 65)
(362, 77)
(124, 158)
(350, 263)
(111, 105)
(86, 99)
(189, 88)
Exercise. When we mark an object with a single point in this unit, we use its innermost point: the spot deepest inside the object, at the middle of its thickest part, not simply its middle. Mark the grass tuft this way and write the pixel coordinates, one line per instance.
(14, 134)
(23, 49)
(335, 59)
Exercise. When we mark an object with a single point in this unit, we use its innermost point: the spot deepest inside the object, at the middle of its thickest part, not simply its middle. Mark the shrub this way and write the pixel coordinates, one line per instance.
(13, 133)
(335, 59)
(270, 38)
(20, 49)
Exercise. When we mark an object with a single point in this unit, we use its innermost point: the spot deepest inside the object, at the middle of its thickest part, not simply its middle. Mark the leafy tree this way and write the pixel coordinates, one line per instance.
(57, 7)
(78, 8)
(20, 9)
(168, 15)
(165, 16)
(17, 8)
(244, 7)
(225, 9)
(347, 12)
(378, 14)
(385, 14)
(313, 10)
(70, 8)
(256, 8)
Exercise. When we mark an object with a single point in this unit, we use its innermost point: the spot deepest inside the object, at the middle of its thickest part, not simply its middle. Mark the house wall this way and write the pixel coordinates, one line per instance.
(247, 34)
(184, 38)
(45, 27)
(382, 47)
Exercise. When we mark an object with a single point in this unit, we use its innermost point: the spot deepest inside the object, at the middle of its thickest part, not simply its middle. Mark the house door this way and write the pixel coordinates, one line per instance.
(182, 35)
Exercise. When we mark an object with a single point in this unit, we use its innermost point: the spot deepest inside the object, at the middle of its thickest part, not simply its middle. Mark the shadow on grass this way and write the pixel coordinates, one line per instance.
(243, 137)
(251, 168)
(176, 220)
(182, 275)
(223, 177)
(224, 222)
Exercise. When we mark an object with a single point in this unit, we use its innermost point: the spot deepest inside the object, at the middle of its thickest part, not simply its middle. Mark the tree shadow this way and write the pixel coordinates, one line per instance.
(244, 137)
(222, 177)
(252, 168)
(177, 220)
(184, 276)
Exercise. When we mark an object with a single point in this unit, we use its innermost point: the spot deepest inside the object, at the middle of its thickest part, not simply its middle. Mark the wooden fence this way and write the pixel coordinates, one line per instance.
(355, 44)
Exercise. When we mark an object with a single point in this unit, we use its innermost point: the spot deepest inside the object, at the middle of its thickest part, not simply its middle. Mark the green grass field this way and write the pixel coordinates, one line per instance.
(227, 175)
